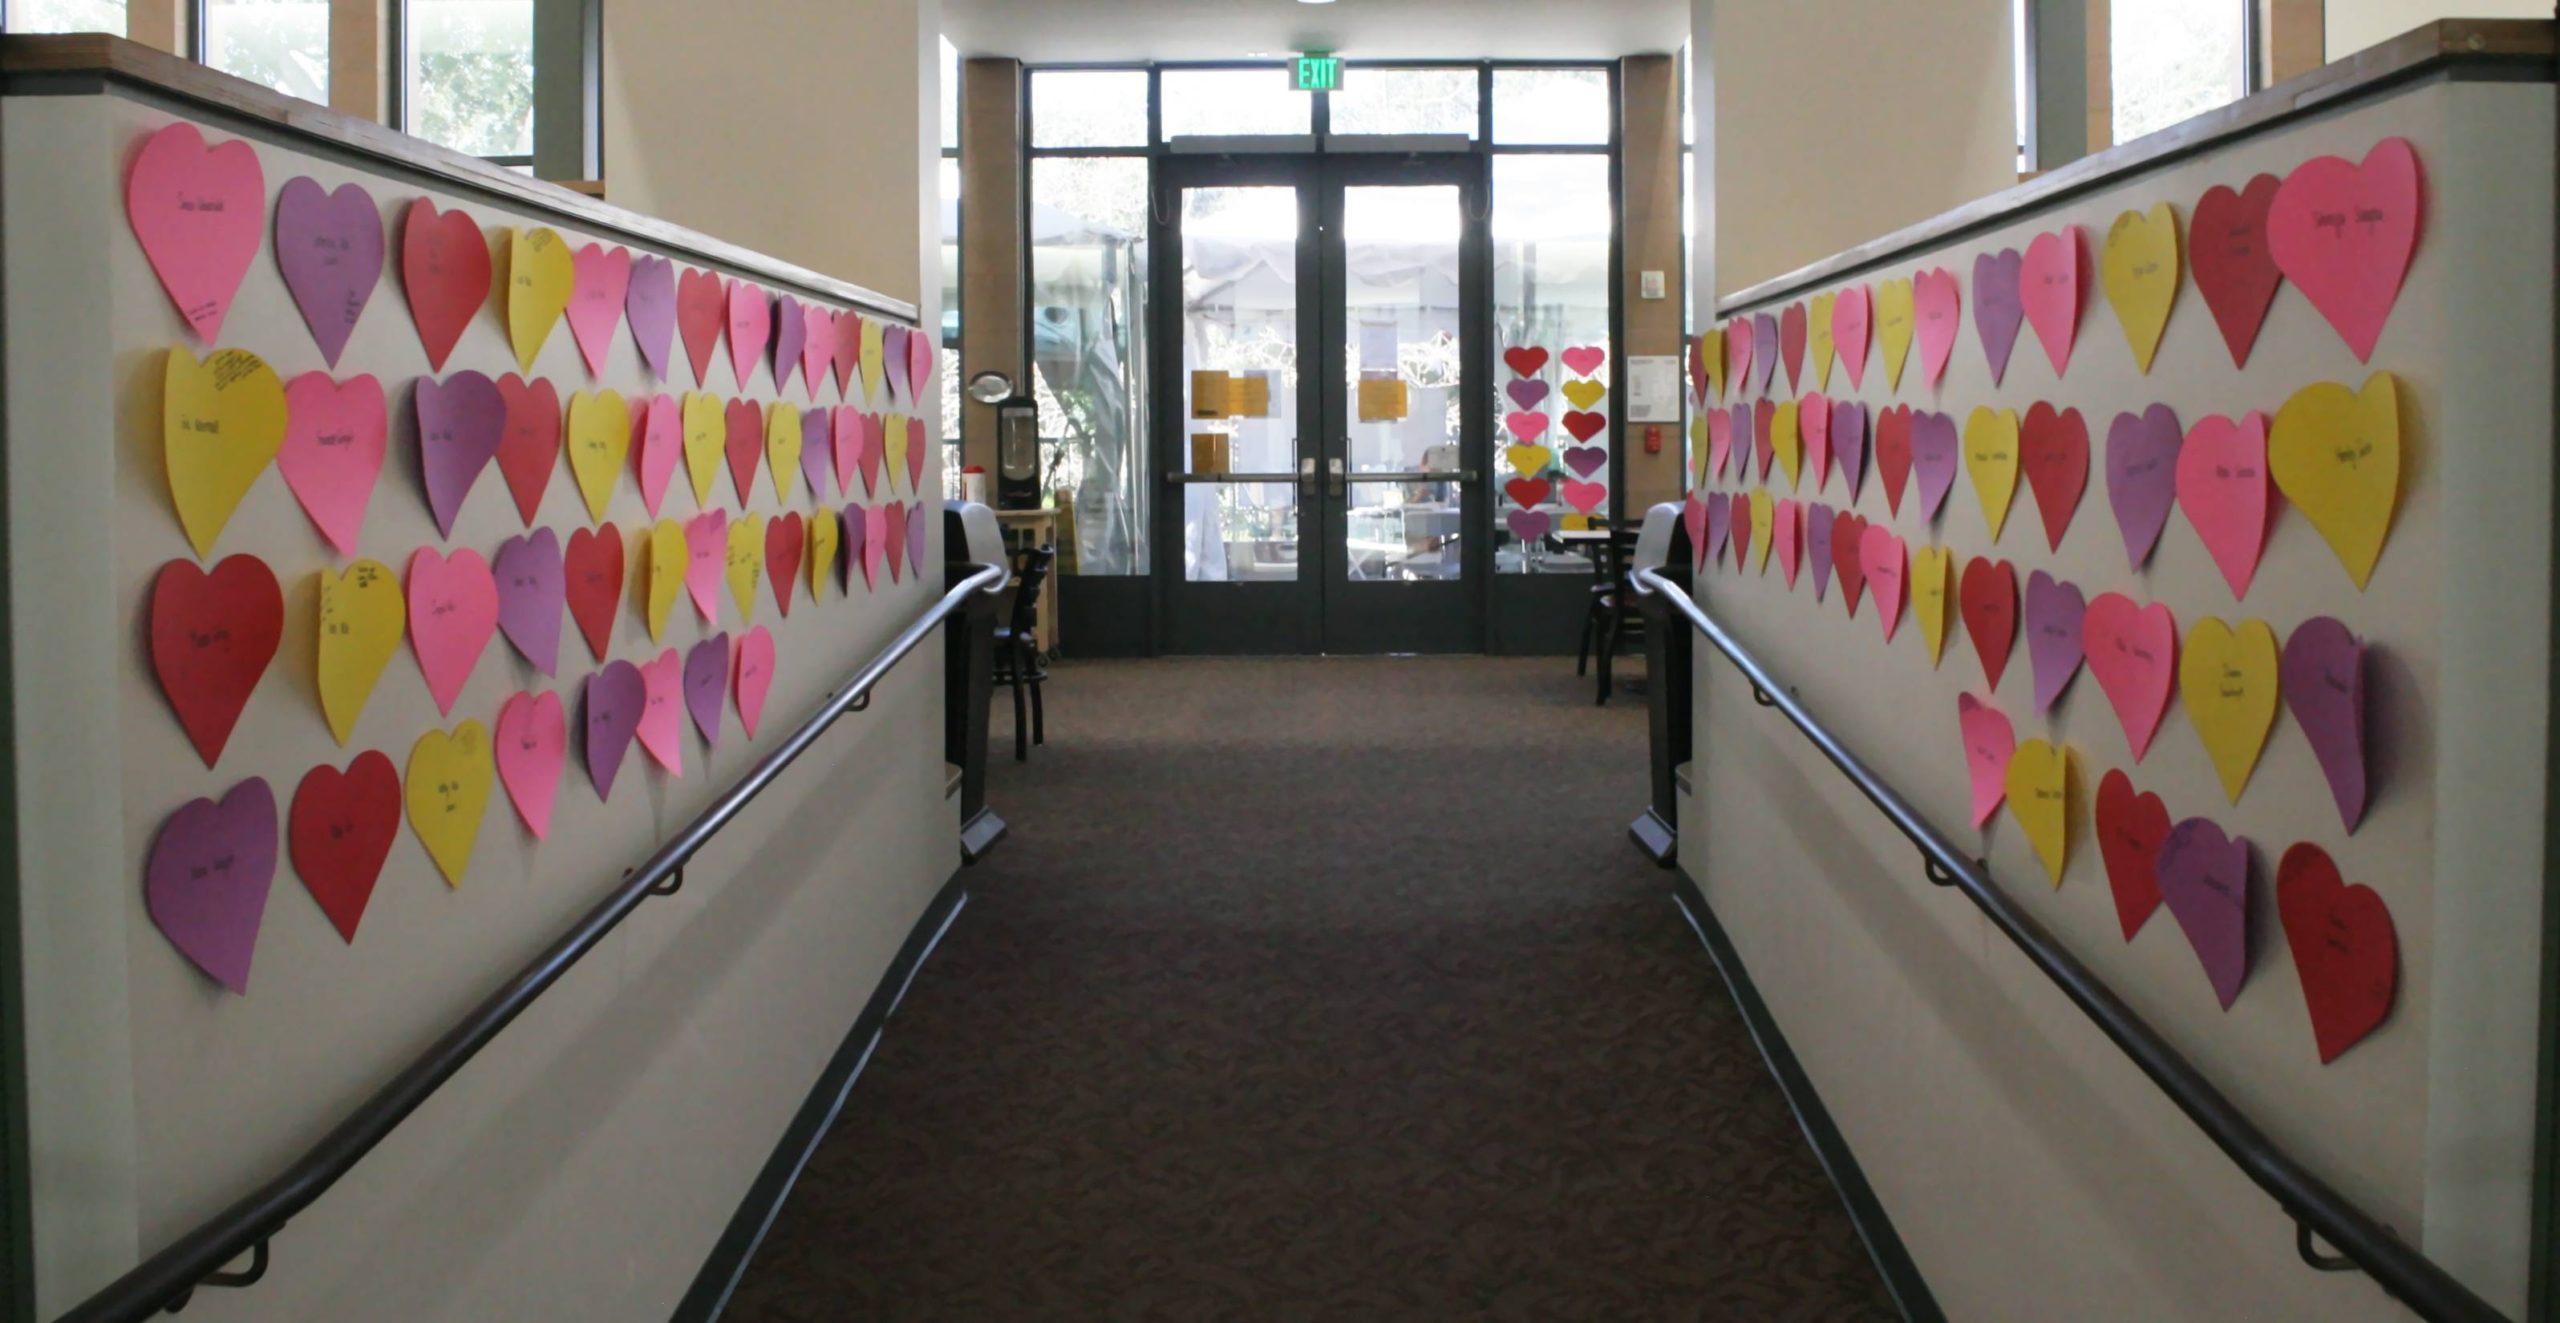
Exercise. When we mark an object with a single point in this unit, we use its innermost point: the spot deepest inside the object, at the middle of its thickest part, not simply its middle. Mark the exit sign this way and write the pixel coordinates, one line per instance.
(1318, 72)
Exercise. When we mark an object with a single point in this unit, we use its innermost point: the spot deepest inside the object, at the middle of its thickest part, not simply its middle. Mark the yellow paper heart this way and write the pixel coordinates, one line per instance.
(2335, 454)
(1711, 348)
(1701, 448)
(1894, 323)
(873, 346)
(706, 439)
(599, 445)
(1932, 569)
(1991, 457)
(668, 559)
(540, 276)
(448, 790)
(2039, 786)
(782, 448)
(362, 618)
(2227, 679)
(1763, 516)
(894, 442)
(1787, 442)
(746, 562)
(2140, 269)
(824, 533)
(221, 424)
(1817, 333)
(1528, 461)
(1583, 394)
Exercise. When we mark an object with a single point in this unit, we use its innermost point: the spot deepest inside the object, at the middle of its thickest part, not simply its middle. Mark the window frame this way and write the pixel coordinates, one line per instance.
(578, 160)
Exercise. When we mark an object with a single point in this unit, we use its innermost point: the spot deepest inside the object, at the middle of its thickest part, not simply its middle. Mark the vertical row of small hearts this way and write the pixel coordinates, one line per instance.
(1545, 474)
(200, 213)
(2344, 234)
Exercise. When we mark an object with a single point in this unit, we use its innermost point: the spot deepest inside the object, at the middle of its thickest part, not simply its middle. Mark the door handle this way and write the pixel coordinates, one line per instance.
(1334, 467)
(1307, 477)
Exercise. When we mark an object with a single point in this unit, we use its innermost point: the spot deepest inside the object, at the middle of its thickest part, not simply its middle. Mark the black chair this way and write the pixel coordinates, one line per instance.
(1611, 618)
(1018, 660)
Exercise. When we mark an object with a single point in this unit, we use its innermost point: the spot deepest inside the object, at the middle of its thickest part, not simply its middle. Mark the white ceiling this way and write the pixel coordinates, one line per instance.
(1059, 31)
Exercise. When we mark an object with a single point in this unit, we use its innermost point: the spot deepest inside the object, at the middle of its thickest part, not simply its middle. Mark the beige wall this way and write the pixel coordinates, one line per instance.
(2356, 24)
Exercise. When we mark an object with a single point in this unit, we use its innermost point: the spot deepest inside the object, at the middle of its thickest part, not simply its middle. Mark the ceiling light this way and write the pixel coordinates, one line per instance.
(1315, 2)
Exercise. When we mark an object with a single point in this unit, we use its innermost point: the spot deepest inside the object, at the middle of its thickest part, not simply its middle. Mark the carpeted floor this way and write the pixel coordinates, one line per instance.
(1317, 990)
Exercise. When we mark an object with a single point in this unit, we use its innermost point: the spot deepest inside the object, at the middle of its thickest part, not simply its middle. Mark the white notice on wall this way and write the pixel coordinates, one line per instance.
(1377, 346)
(1653, 388)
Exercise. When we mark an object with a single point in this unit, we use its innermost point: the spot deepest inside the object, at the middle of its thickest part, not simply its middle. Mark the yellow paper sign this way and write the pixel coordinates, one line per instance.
(2140, 269)
(362, 618)
(1932, 570)
(1991, 457)
(706, 439)
(1763, 517)
(1528, 461)
(824, 534)
(2039, 789)
(896, 445)
(873, 346)
(782, 441)
(447, 791)
(1711, 351)
(1818, 336)
(746, 562)
(540, 276)
(1382, 400)
(2335, 454)
(668, 559)
(2227, 679)
(1249, 394)
(599, 446)
(1209, 394)
(1788, 442)
(1894, 324)
(221, 424)
(1583, 394)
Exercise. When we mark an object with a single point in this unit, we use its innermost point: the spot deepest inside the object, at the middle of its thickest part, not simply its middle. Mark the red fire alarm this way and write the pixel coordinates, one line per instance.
(1653, 438)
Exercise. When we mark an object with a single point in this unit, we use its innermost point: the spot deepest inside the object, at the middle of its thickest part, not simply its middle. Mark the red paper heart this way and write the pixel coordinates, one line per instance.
(701, 306)
(745, 446)
(1525, 360)
(784, 538)
(2133, 651)
(1527, 493)
(212, 636)
(2344, 948)
(2130, 829)
(1583, 360)
(1893, 452)
(593, 567)
(529, 451)
(848, 355)
(342, 827)
(2053, 449)
(1791, 333)
(2344, 233)
(444, 265)
(2227, 251)
(750, 328)
(1988, 597)
(1585, 426)
(1848, 561)
(1762, 415)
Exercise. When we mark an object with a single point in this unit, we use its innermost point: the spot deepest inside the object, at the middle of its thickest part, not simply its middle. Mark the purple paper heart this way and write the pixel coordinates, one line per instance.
(1719, 522)
(2053, 611)
(1849, 442)
(2204, 876)
(329, 246)
(856, 531)
(893, 363)
(205, 884)
(650, 306)
(817, 448)
(790, 336)
(1935, 453)
(1764, 350)
(2323, 676)
(1526, 394)
(1817, 547)
(532, 591)
(1586, 460)
(706, 684)
(2142, 476)
(1528, 525)
(461, 420)
(919, 525)
(1997, 309)
(615, 698)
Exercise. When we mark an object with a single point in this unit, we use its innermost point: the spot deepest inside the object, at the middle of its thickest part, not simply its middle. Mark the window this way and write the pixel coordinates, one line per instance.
(1551, 291)
(949, 330)
(2170, 60)
(1089, 108)
(2022, 83)
(1257, 100)
(67, 16)
(283, 44)
(1089, 351)
(1558, 106)
(1405, 101)
(470, 77)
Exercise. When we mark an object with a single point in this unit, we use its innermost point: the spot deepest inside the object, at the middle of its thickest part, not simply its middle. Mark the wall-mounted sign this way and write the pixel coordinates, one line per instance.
(1317, 71)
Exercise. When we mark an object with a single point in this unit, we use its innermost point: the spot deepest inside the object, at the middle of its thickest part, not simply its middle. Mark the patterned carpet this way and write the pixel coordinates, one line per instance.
(1317, 989)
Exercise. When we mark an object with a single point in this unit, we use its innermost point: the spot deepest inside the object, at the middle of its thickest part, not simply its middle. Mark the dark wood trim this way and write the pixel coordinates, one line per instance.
(736, 1248)
(2519, 49)
(40, 65)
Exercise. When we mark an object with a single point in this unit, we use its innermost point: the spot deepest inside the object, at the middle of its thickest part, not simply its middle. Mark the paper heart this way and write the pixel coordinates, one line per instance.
(1848, 558)
(1896, 319)
(1693, 526)
(329, 250)
(2038, 787)
(649, 304)
(754, 673)
(742, 431)
(222, 421)
(891, 519)
(2053, 611)
(917, 451)
(2222, 485)
(1583, 360)
(447, 789)
(1932, 584)
(1849, 442)
(816, 449)
(340, 831)
(785, 539)
(1737, 352)
(1791, 332)
(1764, 418)
(1764, 523)
(362, 620)
(334, 439)
(1851, 314)
(2133, 652)
(1587, 497)
(1525, 360)
(2053, 453)
(1526, 394)
(1528, 492)
(533, 746)
(1764, 350)
(532, 588)
(1989, 743)
(790, 337)
(445, 267)
(825, 544)
(212, 636)
(205, 882)
(1999, 306)
(1719, 440)
(1894, 452)
(866, 535)
(706, 543)
(1880, 554)
(1936, 452)
(1817, 547)
(1786, 535)
(1938, 306)
(2227, 248)
(1706, 365)
(706, 439)
(199, 212)
(750, 328)
(1741, 516)
(919, 538)
(1813, 423)
(600, 286)
(453, 611)
(461, 422)
(2049, 288)
(1528, 461)
(2335, 453)
(743, 559)
(1991, 458)
(1584, 394)
(662, 718)
(528, 440)
(1585, 460)
(657, 426)
(1584, 426)
(702, 308)
(1987, 598)
(541, 275)
(2227, 679)
(599, 446)
(845, 437)
(2204, 877)
(615, 696)
(895, 440)
(1786, 440)
(817, 346)
(1818, 346)
(1719, 523)
(2142, 477)
(2344, 233)
(2131, 829)
(591, 575)
(1525, 526)
(783, 445)
(893, 358)
(1526, 426)
(2345, 948)
(848, 351)
(2139, 269)
(2323, 683)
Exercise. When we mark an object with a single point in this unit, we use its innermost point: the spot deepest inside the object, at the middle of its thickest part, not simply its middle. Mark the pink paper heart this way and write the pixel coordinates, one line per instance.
(1851, 315)
(2222, 486)
(532, 593)
(706, 685)
(2344, 233)
(329, 249)
(453, 611)
(848, 355)
(1989, 740)
(205, 883)
(533, 746)
(750, 326)
(1719, 441)
(1527, 425)
(1881, 555)
(1813, 427)
(2204, 878)
(649, 304)
(335, 436)
(1583, 360)
(891, 521)
(200, 213)
(598, 290)
(846, 429)
(615, 695)
(1938, 307)
(817, 346)
(1737, 352)
(2133, 651)
(919, 364)
(2050, 288)
(661, 729)
(1693, 519)
(1786, 528)
(706, 546)
(754, 670)
(1585, 496)
(657, 443)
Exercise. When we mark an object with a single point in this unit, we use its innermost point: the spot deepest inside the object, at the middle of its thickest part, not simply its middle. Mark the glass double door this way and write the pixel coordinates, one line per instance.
(1323, 442)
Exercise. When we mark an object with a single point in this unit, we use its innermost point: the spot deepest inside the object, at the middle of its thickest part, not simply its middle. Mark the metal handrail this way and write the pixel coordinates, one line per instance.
(2400, 1269)
(167, 1279)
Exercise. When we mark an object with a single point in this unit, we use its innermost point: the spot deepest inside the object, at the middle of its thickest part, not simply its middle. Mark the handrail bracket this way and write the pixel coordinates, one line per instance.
(227, 1279)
